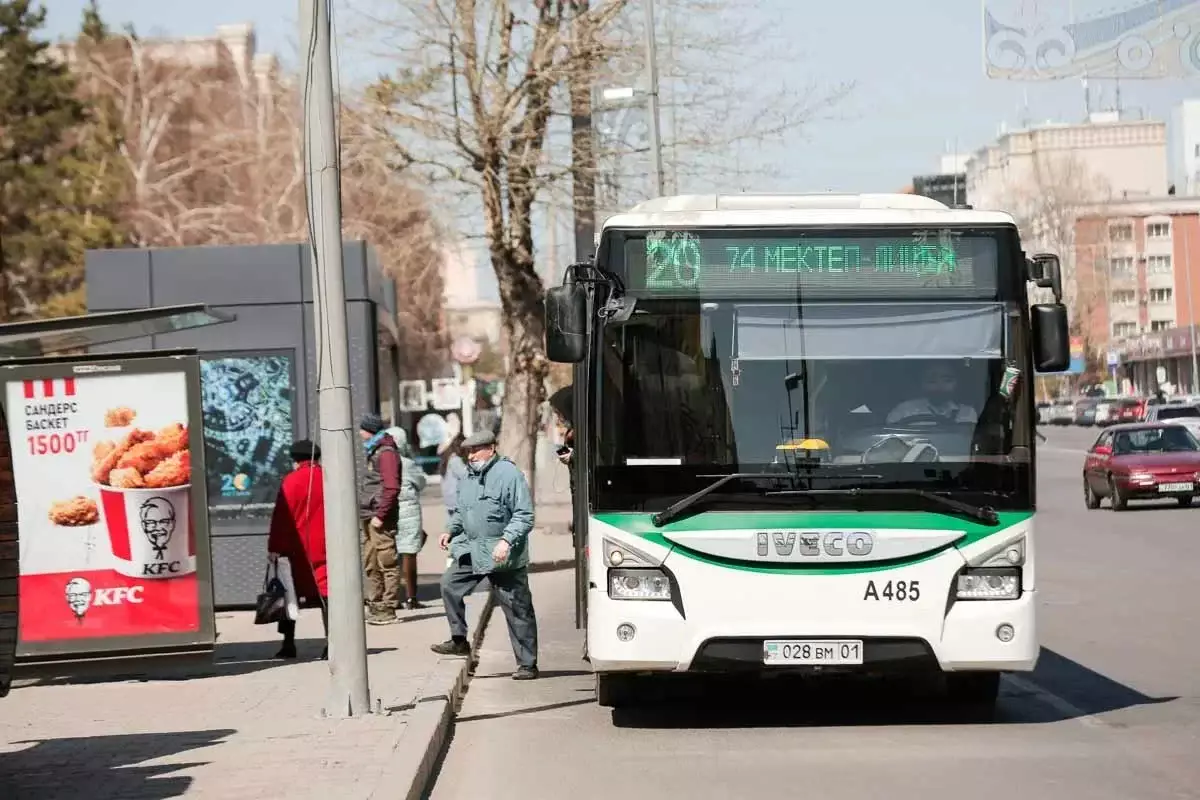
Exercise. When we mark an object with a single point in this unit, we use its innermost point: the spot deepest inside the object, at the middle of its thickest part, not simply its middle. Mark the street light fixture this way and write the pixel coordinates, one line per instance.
(619, 93)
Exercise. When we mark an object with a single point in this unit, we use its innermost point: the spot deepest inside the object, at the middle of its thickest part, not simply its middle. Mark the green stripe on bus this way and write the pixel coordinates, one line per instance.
(641, 526)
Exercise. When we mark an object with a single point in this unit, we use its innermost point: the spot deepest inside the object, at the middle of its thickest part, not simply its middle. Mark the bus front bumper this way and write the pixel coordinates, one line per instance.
(965, 636)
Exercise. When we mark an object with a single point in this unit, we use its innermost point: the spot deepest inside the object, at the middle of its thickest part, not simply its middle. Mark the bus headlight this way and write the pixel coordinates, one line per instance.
(988, 584)
(638, 584)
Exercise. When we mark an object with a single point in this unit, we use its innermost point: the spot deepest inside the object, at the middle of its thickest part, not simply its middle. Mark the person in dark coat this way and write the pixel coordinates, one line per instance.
(379, 513)
(297, 532)
(562, 403)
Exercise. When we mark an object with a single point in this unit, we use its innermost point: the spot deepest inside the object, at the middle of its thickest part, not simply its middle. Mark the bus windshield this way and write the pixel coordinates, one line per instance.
(919, 395)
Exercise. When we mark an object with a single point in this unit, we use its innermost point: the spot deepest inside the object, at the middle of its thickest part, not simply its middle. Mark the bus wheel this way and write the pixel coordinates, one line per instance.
(615, 689)
(975, 689)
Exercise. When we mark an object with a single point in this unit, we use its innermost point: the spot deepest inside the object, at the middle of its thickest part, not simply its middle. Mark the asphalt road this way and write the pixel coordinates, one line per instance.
(1113, 710)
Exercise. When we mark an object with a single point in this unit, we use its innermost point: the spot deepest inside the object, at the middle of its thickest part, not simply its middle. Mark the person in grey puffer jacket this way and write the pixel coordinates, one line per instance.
(410, 533)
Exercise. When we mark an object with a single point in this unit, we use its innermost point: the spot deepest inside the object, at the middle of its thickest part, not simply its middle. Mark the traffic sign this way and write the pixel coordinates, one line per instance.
(465, 350)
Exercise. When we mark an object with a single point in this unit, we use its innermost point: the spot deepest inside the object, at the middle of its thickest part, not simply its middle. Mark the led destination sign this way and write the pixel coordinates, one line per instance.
(725, 263)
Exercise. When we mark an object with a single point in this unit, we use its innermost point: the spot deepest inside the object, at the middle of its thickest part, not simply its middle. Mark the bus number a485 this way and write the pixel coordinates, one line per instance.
(899, 591)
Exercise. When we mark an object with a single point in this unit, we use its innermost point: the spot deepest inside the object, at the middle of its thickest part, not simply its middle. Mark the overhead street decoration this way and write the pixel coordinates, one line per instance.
(1137, 40)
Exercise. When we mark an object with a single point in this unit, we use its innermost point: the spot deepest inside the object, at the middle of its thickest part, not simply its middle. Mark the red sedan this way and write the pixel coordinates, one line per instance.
(1142, 461)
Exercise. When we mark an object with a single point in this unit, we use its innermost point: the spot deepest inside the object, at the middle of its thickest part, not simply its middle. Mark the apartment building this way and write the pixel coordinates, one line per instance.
(1138, 273)
(1103, 157)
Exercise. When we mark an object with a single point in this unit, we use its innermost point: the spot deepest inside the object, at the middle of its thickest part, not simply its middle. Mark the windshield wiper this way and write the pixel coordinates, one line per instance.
(984, 514)
(675, 509)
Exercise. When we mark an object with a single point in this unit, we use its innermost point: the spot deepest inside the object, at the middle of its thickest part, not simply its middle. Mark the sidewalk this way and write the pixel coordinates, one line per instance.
(249, 726)
(246, 727)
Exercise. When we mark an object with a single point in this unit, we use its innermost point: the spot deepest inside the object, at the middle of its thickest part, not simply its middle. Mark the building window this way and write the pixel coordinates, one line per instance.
(1123, 329)
(1124, 297)
(1157, 325)
(1160, 295)
(1122, 232)
(1121, 267)
(1158, 230)
(1158, 265)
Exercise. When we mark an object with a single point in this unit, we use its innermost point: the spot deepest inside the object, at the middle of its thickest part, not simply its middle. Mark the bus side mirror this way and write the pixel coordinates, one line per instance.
(566, 323)
(1046, 271)
(1051, 342)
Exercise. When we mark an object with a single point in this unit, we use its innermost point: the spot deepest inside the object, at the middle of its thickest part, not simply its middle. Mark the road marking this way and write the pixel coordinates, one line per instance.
(1059, 704)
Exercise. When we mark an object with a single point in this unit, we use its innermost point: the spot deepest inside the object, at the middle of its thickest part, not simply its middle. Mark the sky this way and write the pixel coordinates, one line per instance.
(918, 67)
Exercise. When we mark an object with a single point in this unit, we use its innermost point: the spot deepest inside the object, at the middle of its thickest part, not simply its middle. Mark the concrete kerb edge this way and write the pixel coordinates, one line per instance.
(427, 727)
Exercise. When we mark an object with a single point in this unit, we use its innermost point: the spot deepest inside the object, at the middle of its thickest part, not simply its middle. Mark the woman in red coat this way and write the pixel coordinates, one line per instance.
(298, 532)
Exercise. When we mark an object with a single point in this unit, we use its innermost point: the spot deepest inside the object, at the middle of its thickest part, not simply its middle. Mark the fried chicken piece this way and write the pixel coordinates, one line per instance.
(119, 417)
(102, 466)
(126, 478)
(101, 450)
(174, 471)
(77, 511)
(173, 438)
(144, 456)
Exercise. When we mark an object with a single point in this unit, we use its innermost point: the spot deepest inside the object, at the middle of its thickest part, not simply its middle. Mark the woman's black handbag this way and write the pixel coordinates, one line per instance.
(271, 607)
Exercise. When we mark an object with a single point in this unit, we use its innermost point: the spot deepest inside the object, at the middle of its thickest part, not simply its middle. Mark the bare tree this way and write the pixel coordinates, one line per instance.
(214, 156)
(1047, 205)
(479, 101)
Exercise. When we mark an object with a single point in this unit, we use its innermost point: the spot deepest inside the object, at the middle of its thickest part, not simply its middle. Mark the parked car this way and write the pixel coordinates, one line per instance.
(1044, 411)
(1120, 409)
(1062, 412)
(1105, 412)
(1184, 413)
(1085, 411)
(1142, 461)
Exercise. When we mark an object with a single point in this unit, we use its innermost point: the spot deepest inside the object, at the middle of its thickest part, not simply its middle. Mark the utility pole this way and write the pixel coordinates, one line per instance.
(1187, 273)
(652, 99)
(583, 143)
(349, 692)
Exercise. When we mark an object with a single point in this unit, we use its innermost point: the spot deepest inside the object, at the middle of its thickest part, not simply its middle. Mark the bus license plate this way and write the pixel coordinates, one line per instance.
(1175, 487)
(813, 652)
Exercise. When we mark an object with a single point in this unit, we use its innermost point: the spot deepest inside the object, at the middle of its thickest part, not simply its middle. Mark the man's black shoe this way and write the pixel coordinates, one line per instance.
(525, 674)
(287, 651)
(452, 647)
(412, 604)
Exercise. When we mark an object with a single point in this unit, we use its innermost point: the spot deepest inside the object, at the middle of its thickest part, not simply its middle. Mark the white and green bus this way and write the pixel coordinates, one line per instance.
(805, 438)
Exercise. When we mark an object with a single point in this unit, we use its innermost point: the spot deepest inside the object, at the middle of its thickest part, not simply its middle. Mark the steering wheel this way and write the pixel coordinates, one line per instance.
(922, 422)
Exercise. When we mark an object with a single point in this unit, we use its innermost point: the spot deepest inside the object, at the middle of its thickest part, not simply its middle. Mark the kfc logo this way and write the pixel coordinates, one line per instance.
(81, 596)
(157, 517)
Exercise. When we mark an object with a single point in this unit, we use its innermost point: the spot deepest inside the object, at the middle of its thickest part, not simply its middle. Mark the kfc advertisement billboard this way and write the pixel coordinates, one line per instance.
(102, 459)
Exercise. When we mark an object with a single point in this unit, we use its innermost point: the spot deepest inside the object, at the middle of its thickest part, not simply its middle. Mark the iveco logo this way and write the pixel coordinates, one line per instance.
(811, 544)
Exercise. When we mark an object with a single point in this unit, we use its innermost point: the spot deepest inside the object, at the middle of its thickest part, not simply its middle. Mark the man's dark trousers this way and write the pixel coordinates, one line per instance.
(512, 590)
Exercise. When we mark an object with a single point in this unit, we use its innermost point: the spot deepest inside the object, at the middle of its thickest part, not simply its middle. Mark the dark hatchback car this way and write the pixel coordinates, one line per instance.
(1142, 461)
(1085, 411)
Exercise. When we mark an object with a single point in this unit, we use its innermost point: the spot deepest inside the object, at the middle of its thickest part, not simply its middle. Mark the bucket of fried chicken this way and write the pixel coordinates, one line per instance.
(144, 480)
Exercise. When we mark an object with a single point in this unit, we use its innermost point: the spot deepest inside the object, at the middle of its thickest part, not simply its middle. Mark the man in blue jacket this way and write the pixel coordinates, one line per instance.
(488, 537)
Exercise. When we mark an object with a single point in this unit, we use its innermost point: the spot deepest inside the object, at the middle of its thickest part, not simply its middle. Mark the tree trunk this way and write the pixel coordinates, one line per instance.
(524, 385)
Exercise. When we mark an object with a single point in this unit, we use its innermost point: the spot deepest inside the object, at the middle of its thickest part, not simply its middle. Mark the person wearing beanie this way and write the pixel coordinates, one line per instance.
(379, 504)
(297, 532)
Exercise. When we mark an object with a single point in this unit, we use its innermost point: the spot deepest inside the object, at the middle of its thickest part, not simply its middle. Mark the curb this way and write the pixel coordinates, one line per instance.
(553, 565)
(427, 727)
(429, 721)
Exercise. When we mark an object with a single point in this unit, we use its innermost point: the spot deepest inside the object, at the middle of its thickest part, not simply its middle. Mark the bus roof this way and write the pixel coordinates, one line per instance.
(716, 210)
